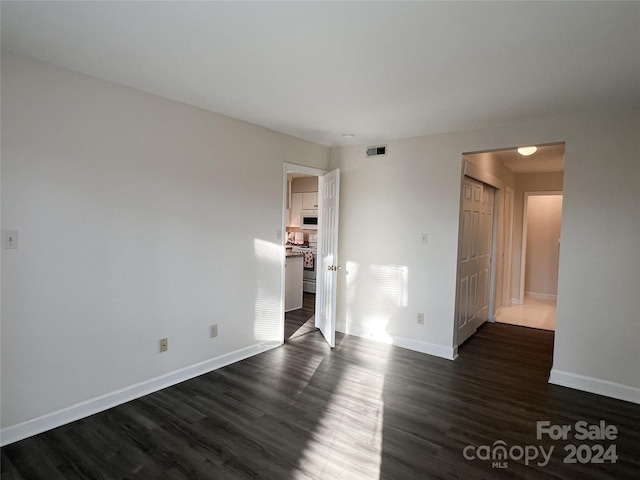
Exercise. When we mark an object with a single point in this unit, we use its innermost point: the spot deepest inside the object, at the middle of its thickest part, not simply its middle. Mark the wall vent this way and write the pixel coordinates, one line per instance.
(376, 150)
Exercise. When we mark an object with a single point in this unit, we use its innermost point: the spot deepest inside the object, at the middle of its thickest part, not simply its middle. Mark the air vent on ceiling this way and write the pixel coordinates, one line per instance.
(376, 150)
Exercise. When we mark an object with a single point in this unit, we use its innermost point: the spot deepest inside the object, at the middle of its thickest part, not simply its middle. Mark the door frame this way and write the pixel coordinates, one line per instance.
(472, 171)
(286, 169)
(507, 245)
(523, 247)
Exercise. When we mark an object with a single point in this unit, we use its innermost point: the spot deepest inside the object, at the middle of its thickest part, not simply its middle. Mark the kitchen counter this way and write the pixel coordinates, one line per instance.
(294, 254)
(297, 245)
(293, 280)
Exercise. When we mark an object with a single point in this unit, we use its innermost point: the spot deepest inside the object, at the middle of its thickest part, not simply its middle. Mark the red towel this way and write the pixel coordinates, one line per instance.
(308, 260)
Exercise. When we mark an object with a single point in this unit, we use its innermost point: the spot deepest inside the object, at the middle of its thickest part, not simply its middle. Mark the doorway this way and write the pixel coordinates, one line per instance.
(541, 227)
(516, 177)
(317, 227)
(301, 243)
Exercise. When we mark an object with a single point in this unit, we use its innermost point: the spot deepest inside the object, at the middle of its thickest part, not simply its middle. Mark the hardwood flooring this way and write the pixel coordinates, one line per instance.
(296, 321)
(363, 410)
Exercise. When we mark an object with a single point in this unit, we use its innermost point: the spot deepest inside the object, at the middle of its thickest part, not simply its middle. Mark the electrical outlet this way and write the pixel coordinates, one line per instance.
(164, 344)
(420, 319)
(213, 332)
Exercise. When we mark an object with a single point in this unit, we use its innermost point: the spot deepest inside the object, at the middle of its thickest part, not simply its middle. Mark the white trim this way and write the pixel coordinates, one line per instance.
(516, 301)
(541, 296)
(595, 385)
(294, 168)
(477, 173)
(449, 353)
(80, 410)
(493, 266)
(315, 172)
(507, 247)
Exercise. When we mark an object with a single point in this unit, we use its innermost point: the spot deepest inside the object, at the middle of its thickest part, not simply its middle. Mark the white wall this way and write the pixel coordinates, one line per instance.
(132, 227)
(527, 182)
(387, 202)
(544, 217)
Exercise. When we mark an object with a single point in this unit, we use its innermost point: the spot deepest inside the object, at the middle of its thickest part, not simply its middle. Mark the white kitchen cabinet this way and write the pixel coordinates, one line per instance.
(310, 201)
(293, 282)
(295, 210)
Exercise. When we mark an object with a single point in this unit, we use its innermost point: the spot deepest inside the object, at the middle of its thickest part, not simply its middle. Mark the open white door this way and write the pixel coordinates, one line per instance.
(327, 270)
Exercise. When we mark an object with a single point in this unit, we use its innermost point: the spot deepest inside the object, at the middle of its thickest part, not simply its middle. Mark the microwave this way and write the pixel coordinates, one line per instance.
(309, 220)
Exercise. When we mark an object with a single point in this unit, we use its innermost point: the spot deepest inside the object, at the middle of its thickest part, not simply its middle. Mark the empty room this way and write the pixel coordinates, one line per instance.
(290, 240)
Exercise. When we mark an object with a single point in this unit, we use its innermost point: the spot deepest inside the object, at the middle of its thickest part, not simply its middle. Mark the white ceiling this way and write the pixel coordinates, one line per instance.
(380, 70)
(548, 158)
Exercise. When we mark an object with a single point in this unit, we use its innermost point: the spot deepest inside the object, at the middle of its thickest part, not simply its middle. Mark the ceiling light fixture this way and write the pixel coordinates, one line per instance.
(526, 151)
(349, 135)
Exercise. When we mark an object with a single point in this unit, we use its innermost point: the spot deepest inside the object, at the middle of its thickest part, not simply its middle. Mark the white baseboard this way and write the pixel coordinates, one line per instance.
(450, 353)
(541, 296)
(516, 301)
(80, 410)
(595, 385)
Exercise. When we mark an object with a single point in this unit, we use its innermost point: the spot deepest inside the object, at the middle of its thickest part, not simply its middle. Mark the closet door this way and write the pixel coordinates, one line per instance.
(474, 257)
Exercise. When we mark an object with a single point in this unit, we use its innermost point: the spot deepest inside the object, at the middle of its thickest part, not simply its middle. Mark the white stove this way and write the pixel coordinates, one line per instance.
(309, 263)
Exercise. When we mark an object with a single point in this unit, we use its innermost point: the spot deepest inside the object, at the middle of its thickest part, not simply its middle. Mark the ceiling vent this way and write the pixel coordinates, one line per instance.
(376, 150)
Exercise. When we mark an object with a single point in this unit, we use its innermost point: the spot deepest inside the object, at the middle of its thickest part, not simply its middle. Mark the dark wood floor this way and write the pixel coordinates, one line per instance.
(296, 321)
(364, 410)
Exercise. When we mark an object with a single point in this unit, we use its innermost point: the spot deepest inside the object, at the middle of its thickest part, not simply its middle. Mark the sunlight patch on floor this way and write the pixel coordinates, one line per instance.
(337, 444)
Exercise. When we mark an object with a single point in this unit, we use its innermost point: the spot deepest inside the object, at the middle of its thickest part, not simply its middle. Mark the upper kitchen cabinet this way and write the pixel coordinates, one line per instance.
(310, 201)
(302, 195)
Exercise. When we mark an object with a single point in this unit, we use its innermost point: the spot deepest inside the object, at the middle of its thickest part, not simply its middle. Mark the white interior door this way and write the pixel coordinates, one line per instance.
(327, 273)
(474, 258)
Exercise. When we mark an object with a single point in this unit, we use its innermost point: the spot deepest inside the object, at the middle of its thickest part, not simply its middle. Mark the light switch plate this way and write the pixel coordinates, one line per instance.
(10, 239)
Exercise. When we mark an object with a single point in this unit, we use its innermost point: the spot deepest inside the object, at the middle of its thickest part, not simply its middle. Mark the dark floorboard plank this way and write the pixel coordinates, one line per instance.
(363, 410)
(295, 321)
